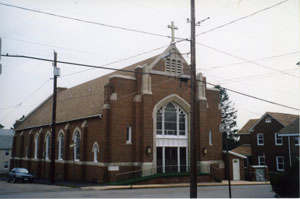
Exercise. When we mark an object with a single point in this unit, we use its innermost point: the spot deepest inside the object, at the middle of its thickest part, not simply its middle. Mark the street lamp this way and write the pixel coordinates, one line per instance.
(225, 128)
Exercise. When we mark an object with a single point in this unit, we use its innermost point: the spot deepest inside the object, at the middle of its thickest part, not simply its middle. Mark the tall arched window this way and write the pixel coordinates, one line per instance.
(47, 146)
(171, 120)
(61, 146)
(95, 151)
(77, 146)
(36, 146)
(171, 139)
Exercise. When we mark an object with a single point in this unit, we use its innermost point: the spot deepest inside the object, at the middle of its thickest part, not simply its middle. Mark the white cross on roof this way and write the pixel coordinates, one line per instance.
(173, 28)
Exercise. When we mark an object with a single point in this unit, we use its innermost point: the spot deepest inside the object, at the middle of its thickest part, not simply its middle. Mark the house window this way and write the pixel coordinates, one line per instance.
(128, 134)
(261, 160)
(61, 146)
(47, 147)
(280, 163)
(260, 139)
(278, 139)
(77, 146)
(6, 152)
(210, 138)
(268, 120)
(95, 152)
(6, 165)
(36, 146)
(171, 120)
(297, 141)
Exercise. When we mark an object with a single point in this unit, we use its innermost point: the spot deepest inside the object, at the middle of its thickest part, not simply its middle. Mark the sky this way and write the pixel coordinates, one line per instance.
(255, 55)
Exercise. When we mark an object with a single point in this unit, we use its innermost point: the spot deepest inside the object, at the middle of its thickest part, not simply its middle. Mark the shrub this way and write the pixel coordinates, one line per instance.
(286, 184)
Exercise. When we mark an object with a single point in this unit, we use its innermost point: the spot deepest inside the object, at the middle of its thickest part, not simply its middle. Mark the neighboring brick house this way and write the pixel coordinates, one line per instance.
(245, 142)
(267, 147)
(123, 122)
(6, 139)
(291, 131)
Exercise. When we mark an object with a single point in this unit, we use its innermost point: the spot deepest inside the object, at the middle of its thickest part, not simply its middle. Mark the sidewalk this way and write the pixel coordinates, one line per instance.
(223, 183)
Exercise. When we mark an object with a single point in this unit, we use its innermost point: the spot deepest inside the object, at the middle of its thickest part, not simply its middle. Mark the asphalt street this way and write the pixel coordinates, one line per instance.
(20, 190)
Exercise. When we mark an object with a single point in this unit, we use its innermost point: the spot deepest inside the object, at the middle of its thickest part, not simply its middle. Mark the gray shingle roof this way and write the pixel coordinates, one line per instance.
(292, 128)
(6, 138)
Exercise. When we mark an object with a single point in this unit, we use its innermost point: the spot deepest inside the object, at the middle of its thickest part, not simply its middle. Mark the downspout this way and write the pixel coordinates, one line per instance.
(290, 158)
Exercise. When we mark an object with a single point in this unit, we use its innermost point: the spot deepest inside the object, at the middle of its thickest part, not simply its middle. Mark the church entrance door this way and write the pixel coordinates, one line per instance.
(171, 159)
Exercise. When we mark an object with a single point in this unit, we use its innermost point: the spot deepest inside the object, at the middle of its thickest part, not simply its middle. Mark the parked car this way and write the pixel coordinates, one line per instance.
(20, 174)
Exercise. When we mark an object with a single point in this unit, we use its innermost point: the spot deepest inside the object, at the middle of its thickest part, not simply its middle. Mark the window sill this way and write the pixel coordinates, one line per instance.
(128, 142)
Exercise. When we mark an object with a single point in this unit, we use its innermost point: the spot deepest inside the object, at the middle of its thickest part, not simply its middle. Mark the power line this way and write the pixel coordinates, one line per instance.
(251, 77)
(58, 47)
(246, 60)
(86, 21)
(114, 62)
(241, 18)
(260, 59)
(130, 71)
(23, 101)
(254, 97)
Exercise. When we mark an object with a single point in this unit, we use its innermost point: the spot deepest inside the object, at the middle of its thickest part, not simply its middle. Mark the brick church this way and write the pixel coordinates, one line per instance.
(124, 125)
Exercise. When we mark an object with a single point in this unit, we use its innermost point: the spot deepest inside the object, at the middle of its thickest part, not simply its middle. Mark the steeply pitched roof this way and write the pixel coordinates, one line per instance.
(284, 118)
(243, 149)
(6, 138)
(247, 126)
(292, 128)
(86, 99)
(81, 101)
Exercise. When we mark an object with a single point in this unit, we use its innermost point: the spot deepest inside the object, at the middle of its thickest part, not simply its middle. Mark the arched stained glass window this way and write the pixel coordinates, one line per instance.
(77, 146)
(61, 146)
(171, 120)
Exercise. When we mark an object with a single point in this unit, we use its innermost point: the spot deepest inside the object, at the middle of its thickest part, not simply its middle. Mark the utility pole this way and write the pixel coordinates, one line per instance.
(193, 156)
(227, 161)
(52, 164)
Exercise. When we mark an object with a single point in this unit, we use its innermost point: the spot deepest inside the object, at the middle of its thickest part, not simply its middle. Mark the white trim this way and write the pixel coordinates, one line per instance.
(268, 120)
(61, 122)
(244, 134)
(128, 134)
(60, 133)
(114, 96)
(259, 166)
(298, 138)
(106, 106)
(235, 154)
(288, 134)
(76, 130)
(257, 139)
(210, 138)
(36, 145)
(277, 163)
(95, 150)
(163, 73)
(278, 138)
(123, 77)
(259, 160)
(90, 163)
(212, 89)
(261, 118)
(47, 144)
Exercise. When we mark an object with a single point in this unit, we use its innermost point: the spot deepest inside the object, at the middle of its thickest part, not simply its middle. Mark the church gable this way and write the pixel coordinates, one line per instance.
(171, 62)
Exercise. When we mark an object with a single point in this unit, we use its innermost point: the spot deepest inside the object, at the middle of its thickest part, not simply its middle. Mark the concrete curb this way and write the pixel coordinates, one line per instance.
(223, 183)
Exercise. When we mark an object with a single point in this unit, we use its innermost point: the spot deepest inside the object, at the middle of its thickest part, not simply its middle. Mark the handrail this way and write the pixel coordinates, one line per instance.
(129, 172)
